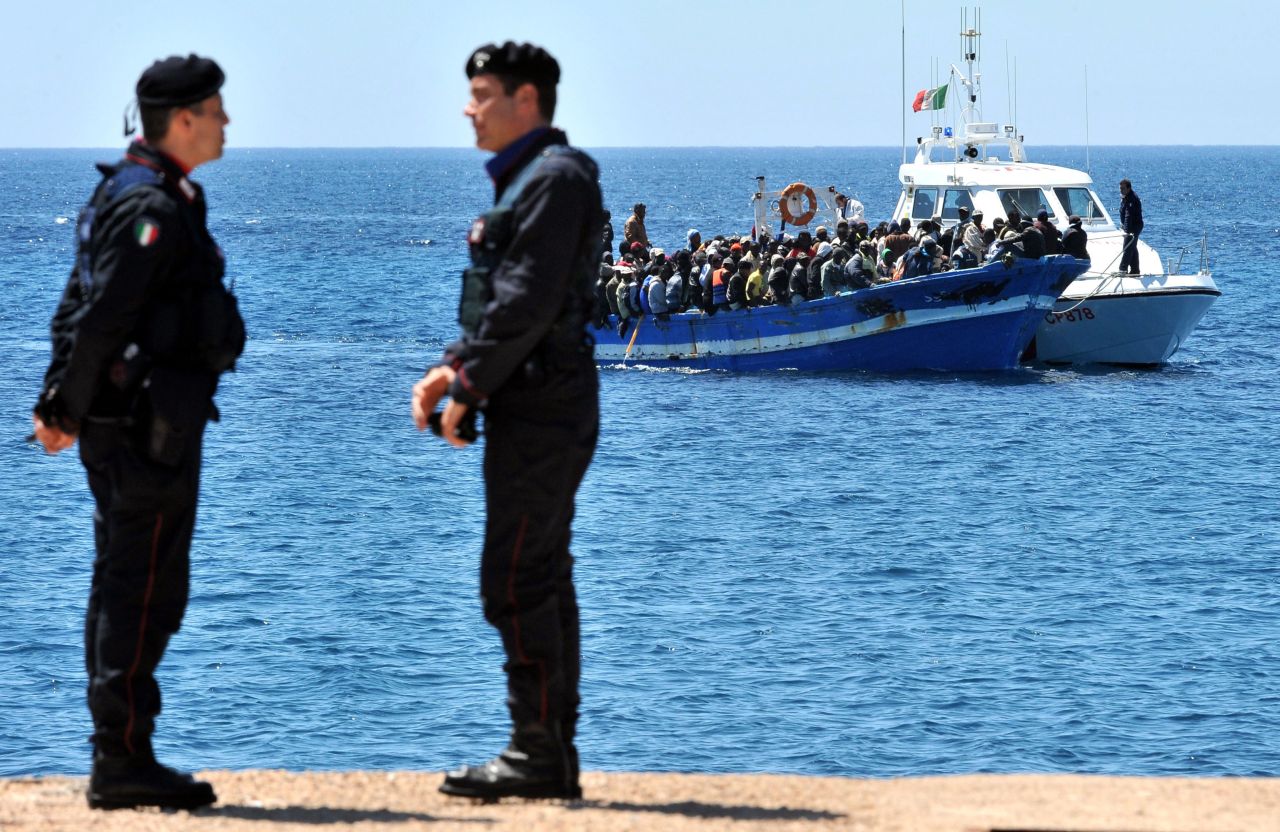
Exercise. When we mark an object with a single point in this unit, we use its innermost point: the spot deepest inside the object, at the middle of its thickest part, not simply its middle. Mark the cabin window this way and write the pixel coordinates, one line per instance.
(926, 200)
(1026, 201)
(953, 200)
(1081, 202)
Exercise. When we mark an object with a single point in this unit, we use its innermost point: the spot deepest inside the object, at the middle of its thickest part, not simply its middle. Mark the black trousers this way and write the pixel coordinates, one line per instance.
(143, 520)
(538, 445)
(1129, 259)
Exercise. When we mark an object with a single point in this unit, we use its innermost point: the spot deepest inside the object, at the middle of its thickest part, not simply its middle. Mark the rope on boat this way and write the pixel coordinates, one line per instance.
(1106, 275)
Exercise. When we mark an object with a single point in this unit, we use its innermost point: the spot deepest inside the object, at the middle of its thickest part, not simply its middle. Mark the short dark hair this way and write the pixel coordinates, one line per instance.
(546, 92)
(156, 120)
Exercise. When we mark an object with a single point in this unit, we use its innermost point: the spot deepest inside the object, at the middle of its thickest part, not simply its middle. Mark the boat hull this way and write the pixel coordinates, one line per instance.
(971, 320)
(1136, 320)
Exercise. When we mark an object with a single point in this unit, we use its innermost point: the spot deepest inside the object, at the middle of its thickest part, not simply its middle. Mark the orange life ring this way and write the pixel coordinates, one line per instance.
(793, 193)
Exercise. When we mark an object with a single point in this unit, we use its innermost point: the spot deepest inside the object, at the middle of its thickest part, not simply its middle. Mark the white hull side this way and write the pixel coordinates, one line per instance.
(1138, 319)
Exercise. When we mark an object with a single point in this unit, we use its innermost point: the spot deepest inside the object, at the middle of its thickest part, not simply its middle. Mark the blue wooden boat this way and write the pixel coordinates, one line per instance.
(965, 320)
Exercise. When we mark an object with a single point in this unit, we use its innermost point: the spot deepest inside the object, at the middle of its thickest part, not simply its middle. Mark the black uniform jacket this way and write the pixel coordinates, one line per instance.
(558, 215)
(146, 245)
(1131, 213)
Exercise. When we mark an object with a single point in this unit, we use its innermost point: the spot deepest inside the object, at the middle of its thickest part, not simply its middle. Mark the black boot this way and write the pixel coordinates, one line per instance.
(138, 780)
(537, 763)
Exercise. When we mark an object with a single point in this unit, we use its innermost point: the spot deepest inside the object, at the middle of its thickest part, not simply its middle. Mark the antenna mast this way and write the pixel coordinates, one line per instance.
(903, 102)
(1087, 166)
(1015, 92)
(1008, 84)
(972, 80)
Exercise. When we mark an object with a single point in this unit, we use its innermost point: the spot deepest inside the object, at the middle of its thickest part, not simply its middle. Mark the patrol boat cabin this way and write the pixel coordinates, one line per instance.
(1104, 316)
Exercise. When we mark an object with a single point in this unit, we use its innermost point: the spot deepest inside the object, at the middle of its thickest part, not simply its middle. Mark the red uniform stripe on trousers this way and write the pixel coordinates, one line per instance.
(515, 618)
(142, 633)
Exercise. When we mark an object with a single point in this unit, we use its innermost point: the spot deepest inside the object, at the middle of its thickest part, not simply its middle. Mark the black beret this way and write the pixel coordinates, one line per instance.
(522, 61)
(177, 81)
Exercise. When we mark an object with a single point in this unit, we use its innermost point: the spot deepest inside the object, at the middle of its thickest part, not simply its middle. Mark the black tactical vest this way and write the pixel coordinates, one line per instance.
(193, 321)
(490, 238)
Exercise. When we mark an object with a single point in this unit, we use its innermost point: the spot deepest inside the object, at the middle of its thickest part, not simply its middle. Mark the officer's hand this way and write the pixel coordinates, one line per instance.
(429, 391)
(53, 439)
(449, 421)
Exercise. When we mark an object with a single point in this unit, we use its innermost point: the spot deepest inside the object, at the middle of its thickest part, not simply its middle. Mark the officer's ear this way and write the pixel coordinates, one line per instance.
(183, 118)
(526, 95)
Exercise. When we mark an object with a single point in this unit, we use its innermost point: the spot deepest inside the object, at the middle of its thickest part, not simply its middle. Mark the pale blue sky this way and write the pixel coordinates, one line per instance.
(649, 72)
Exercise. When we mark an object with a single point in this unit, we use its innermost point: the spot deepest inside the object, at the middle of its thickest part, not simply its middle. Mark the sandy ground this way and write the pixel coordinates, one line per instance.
(275, 801)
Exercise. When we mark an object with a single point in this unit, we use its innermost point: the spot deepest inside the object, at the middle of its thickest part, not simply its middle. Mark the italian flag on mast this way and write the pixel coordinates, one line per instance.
(934, 99)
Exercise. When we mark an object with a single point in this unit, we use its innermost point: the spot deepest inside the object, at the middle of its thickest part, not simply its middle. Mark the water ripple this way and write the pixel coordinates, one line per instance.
(854, 574)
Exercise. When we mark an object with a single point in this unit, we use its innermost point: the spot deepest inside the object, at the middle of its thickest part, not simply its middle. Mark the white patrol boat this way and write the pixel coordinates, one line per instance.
(1104, 315)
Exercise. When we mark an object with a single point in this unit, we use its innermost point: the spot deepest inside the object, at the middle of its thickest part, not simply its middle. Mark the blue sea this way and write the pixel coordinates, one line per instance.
(1044, 570)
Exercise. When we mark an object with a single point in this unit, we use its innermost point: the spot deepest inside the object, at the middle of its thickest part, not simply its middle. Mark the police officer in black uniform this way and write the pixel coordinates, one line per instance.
(525, 359)
(1131, 224)
(144, 328)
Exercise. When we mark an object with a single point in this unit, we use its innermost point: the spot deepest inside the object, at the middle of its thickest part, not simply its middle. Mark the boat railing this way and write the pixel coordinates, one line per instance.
(1172, 268)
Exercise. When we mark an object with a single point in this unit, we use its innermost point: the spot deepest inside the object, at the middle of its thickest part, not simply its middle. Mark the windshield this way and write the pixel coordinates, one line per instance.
(1080, 201)
(953, 201)
(925, 200)
(1026, 201)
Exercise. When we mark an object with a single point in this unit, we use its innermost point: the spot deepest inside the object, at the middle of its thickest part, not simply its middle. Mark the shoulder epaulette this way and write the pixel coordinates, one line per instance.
(127, 178)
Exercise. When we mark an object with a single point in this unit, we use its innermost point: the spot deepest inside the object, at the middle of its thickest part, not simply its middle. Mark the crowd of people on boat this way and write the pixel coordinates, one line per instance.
(729, 272)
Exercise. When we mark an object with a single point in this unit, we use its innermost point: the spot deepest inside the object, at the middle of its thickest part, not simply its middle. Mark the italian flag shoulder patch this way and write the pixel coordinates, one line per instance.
(146, 231)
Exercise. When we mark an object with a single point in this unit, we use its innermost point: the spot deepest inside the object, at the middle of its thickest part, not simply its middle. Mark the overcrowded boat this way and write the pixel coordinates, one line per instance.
(969, 320)
(971, 297)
